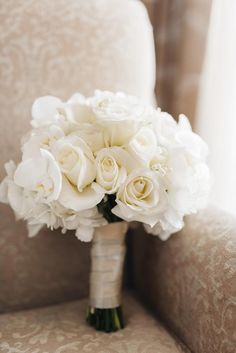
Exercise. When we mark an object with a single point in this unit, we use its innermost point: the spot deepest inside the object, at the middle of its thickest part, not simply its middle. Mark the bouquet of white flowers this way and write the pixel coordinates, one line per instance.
(90, 162)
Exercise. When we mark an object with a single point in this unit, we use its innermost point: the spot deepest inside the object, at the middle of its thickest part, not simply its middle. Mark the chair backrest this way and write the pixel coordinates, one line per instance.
(59, 47)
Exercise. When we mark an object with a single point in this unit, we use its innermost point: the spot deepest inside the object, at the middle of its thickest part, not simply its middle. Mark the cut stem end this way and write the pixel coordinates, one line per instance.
(106, 320)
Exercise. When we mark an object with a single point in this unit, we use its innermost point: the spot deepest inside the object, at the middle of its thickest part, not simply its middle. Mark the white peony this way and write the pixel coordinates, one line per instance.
(171, 134)
(158, 161)
(188, 140)
(188, 183)
(165, 128)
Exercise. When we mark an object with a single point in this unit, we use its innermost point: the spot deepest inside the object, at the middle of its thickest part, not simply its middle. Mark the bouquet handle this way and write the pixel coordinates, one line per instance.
(107, 260)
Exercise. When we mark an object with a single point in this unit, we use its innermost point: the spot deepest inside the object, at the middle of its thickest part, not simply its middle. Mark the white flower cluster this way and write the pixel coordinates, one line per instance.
(83, 151)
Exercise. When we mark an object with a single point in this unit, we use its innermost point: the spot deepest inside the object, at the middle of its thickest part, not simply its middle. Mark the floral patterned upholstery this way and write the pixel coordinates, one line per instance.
(40, 271)
(62, 329)
(56, 47)
(190, 280)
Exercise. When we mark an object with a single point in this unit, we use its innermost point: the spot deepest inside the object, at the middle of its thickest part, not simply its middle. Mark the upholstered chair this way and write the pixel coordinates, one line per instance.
(180, 295)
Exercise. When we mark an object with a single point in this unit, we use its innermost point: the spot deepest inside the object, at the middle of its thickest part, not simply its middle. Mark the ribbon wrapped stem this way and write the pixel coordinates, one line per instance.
(107, 255)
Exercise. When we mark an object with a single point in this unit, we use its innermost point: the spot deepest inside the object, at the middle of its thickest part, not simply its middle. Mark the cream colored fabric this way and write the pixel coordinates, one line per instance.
(107, 254)
(190, 280)
(59, 47)
(49, 268)
(62, 329)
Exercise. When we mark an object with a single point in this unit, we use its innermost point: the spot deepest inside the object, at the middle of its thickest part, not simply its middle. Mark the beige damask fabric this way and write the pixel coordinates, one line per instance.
(190, 280)
(62, 329)
(47, 269)
(59, 47)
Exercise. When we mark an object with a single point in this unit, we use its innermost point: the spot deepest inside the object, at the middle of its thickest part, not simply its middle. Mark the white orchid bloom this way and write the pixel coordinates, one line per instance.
(40, 175)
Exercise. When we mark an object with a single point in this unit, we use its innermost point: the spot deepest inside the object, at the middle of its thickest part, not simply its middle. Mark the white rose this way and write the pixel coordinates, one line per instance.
(141, 198)
(72, 198)
(40, 175)
(120, 116)
(120, 133)
(76, 160)
(117, 130)
(112, 166)
(92, 134)
(143, 143)
(120, 107)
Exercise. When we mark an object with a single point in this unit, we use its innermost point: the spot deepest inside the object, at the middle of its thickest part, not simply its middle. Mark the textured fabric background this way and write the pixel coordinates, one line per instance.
(190, 280)
(59, 47)
(62, 329)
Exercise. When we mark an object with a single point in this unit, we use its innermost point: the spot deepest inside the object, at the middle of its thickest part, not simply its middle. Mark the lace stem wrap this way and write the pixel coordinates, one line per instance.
(107, 254)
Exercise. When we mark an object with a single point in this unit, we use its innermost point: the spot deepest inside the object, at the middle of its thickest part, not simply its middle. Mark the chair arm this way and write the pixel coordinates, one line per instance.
(190, 280)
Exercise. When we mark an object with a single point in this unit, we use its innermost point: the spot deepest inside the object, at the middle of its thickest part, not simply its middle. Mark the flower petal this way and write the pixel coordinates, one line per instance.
(71, 198)
(84, 233)
(44, 109)
(4, 191)
(33, 229)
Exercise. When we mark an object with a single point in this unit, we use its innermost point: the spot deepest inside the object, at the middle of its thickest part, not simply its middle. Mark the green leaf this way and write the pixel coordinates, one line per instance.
(105, 207)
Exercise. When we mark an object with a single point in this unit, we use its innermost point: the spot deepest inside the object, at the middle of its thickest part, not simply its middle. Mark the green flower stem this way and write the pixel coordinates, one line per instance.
(106, 320)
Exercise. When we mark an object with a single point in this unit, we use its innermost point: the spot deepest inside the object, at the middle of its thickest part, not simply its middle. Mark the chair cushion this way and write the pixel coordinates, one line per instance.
(192, 276)
(59, 47)
(62, 329)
